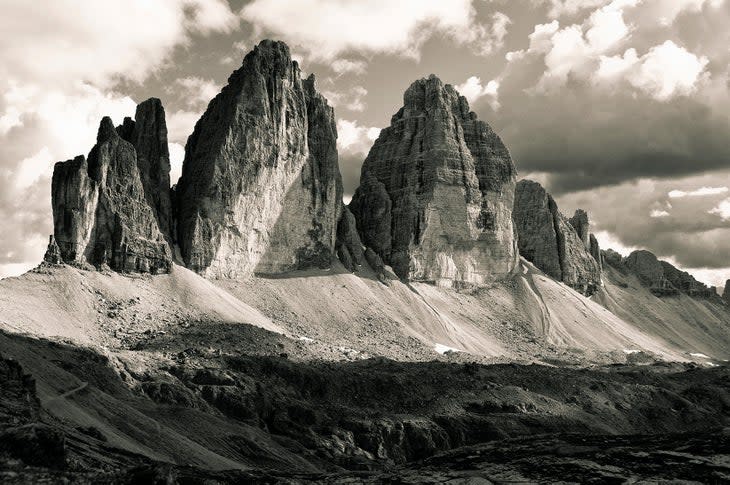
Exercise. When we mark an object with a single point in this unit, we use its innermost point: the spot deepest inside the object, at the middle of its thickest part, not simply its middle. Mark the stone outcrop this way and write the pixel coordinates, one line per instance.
(53, 252)
(436, 192)
(685, 282)
(100, 212)
(650, 272)
(726, 292)
(261, 189)
(550, 241)
(349, 247)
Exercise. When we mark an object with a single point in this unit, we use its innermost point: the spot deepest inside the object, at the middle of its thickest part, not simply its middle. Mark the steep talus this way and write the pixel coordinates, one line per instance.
(101, 212)
(261, 189)
(560, 247)
(435, 197)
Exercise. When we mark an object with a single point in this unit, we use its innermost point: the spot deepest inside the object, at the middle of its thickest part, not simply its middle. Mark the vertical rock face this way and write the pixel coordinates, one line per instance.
(436, 192)
(349, 247)
(580, 222)
(595, 251)
(100, 212)
(726, 292)
(148, 134)
(550, 241)
(261, 189)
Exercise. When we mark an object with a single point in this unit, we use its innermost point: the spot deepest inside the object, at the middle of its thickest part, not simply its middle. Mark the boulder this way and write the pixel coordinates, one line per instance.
(436, 192)
(550, 241)
(261, 190)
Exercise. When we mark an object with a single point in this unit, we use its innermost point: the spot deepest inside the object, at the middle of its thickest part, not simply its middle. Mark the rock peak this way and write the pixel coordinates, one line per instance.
(106, 130)
(436, 191)
(261, 189)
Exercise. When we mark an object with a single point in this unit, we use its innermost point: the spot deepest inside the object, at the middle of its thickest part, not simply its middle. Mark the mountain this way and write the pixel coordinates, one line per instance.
(249, 328)
(435, 200)
(261, 190)
(101, 212)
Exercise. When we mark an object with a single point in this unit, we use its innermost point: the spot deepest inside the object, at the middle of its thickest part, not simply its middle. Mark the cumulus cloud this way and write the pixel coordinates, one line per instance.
(177, 155)
(353, 143)
(664, 71)
(327, 29)
(472, 89)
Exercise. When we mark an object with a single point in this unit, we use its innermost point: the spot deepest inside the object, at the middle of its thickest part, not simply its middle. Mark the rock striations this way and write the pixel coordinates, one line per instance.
(261, 189)
(562, 248)
(436, 191)
(101, 213)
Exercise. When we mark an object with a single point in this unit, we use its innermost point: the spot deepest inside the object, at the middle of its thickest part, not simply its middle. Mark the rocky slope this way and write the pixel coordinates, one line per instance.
(101, 209)
(261, 190)
(560, 247)
(435, 198)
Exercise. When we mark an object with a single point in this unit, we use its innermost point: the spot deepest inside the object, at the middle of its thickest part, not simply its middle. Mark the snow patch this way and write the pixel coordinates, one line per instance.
(631, 351)
(699, 356)
(306, 339)
(442, 349)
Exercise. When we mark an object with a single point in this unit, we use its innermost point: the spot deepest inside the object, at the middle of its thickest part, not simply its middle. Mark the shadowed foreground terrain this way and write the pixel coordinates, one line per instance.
(92, 417)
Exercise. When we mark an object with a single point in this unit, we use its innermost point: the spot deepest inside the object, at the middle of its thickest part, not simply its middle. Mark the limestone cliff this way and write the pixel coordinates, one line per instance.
(148, 134)
(436, 192)
(100, 212)
(261, 189)
(726, 292)
(551, 242)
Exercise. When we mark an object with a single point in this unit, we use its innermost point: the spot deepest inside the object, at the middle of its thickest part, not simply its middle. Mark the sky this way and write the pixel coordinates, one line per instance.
(618, 107)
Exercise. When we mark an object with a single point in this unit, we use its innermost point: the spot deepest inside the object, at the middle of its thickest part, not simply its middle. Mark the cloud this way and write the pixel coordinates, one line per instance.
(353, 138)
(702, 191)
(473, 90)
(353, 99)
(600, 109)
(177, 155)
(658, 213)
(353, 143)
(722, 210)
(667, 70)
(328, 29)
(347, 66)
(180, 125)
(194, 91)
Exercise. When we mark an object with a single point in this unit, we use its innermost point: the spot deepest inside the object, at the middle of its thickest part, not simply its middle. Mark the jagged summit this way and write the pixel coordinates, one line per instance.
(436, 191)
(100, 213)
(261, 188)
